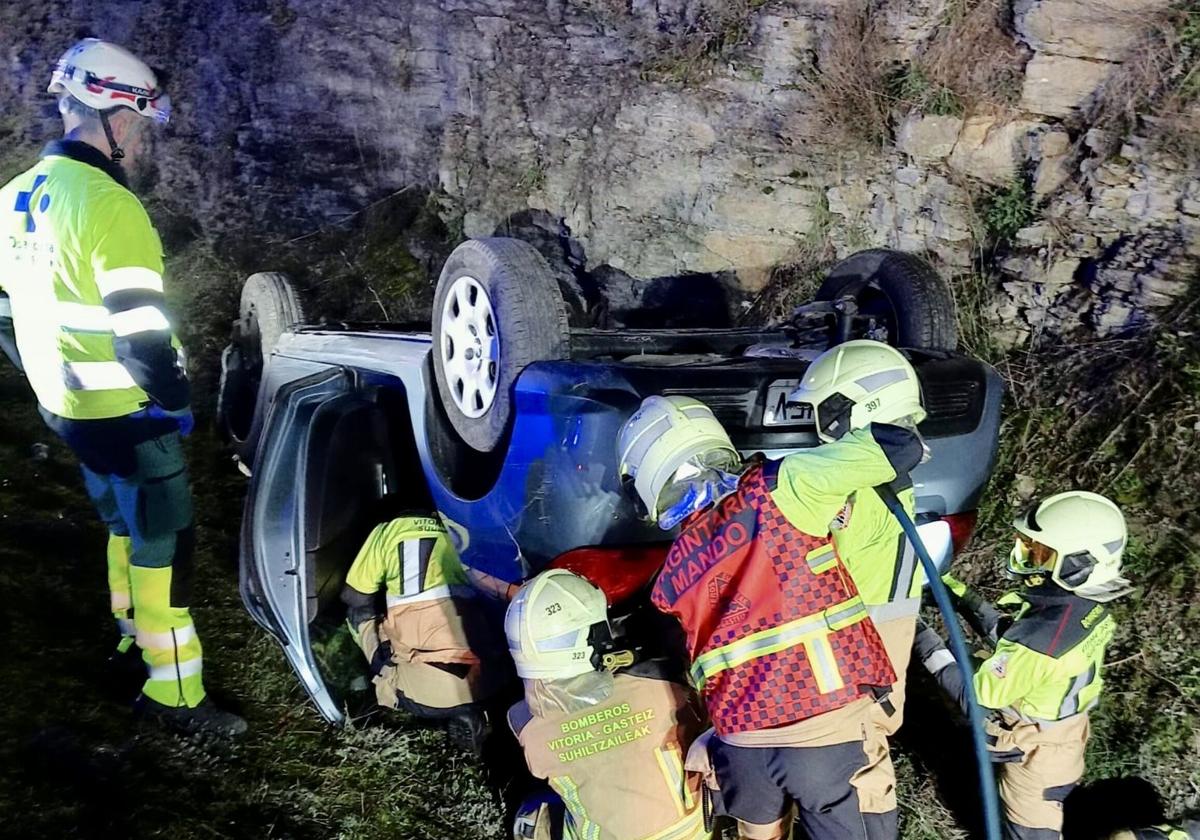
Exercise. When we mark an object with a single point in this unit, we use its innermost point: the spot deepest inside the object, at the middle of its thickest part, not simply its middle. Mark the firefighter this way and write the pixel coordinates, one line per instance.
(1187, 829)
(882, 561)
(431, 651)
(82, 268)
(1044, 675)
(611, 743)
(782, 647)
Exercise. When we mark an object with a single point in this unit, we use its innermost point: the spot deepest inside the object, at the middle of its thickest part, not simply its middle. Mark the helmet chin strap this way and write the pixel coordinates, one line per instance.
(115, 151)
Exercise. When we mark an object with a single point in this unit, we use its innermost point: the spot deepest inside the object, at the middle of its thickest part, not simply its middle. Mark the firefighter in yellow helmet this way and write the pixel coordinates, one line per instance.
(609, 734)
(434, 649)
(788, 661)
(876, 552)
(1044, 675)
(82, 270)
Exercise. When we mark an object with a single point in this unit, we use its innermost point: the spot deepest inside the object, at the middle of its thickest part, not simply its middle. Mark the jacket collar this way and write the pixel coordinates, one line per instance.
(84, 153)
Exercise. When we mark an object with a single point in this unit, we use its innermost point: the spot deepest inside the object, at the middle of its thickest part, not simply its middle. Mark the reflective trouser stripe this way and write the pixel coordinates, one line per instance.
(577, 817)
(5, 306)
(672, 770)
(129, 277)
(169, 673)
(1070, 703)
(178, 637)
(170, 647)
(126, 627)
(765, 642)
(97, 376)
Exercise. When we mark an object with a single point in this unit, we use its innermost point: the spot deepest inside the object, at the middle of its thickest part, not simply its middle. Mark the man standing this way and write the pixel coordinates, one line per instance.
(787, 660)
(82, 267)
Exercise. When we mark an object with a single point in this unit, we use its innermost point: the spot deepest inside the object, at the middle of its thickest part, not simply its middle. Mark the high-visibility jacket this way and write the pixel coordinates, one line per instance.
(776, 629)
(618, 766)
(879, 556)
(429, 617)
(1189, 830)
(1047, 665)
(82, 267)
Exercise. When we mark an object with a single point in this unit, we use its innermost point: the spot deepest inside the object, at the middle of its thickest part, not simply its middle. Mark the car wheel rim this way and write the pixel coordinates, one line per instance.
(470, 347)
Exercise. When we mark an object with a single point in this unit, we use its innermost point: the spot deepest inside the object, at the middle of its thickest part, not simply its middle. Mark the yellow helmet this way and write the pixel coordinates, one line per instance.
(856, 383)
(555, 625)
(664, 434)
(1086, 533)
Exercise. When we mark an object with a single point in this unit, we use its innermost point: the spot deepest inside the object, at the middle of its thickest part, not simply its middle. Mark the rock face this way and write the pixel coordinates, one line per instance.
(660, 139)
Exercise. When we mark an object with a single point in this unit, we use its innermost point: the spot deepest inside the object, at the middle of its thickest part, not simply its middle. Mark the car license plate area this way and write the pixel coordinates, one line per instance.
(778, 413)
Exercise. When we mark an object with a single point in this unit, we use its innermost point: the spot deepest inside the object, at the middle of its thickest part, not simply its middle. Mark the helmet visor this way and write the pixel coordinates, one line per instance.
(1029, 557)
(696, 484)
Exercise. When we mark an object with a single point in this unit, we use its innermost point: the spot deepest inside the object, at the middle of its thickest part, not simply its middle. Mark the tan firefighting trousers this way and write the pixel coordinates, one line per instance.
(1033, 789)
(876, 783)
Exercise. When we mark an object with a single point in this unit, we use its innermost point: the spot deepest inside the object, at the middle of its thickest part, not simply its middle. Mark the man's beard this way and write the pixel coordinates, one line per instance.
(142, 174)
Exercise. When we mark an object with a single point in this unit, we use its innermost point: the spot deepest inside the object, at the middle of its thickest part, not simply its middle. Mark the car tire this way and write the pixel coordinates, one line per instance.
(269, 306)
(497, 309)
(913, 301)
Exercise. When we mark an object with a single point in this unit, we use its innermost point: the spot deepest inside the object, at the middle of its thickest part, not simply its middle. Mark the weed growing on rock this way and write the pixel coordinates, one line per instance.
(912, 88)
(1007, 210)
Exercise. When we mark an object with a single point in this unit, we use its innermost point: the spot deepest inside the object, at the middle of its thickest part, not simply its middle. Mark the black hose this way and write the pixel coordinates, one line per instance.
(958, 645)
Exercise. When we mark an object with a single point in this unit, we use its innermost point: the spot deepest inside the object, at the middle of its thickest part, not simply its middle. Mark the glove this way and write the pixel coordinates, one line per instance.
(930, 650)
(183, 417)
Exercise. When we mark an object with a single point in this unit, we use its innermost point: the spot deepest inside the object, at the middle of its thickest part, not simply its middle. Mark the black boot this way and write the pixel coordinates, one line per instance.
(124, 673)
(469, 730)
(204, 719)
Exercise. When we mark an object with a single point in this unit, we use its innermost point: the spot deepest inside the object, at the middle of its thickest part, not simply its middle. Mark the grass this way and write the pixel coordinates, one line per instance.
(1157, 89)
(72, 764)
(709, 34)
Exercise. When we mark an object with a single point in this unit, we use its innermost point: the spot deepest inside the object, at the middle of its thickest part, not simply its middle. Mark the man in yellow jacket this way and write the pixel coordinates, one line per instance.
(82, 269)
(435, 648)
(1045, 673)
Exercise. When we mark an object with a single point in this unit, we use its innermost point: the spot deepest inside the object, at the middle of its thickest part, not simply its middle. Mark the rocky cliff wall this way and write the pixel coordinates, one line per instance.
(670, 138)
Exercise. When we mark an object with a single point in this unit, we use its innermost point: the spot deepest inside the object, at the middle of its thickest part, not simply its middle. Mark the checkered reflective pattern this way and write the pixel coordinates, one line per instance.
(780, 688)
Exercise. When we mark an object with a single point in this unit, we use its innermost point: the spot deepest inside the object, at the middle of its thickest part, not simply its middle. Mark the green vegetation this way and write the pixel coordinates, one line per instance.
(693, 51)
(911, 87)
(1007, 210)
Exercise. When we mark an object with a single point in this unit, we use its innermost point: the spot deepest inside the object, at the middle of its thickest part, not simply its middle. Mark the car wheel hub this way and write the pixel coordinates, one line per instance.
(470, 347)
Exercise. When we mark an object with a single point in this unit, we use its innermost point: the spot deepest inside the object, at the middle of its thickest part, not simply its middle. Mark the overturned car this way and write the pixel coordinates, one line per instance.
(503, 417)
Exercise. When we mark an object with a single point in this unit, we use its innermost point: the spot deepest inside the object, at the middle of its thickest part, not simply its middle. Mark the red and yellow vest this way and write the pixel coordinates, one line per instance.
(777, 632)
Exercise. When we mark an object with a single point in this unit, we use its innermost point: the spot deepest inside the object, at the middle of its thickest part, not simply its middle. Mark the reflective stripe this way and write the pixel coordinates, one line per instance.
(906, 567)
(96, 376)
(688, 828)
(412, 567)
(672, 770)
(171, 639)
(577, 816)
(904, 608)
(119, 600)
(83, 317)
(938, 660)
(875, 381)
(132, 277)
(172, 672)
(820, 656)
(5, 307)
(139, 319)
(775, 639)
(126, 627)
(445, 591)
(822, 559)
(1070, 703)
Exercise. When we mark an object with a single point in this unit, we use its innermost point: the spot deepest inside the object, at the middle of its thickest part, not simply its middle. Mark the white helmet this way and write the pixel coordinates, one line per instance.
(1087, 535)
(104, 76)
(557, 627)
(664, 434)
(857, 383)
